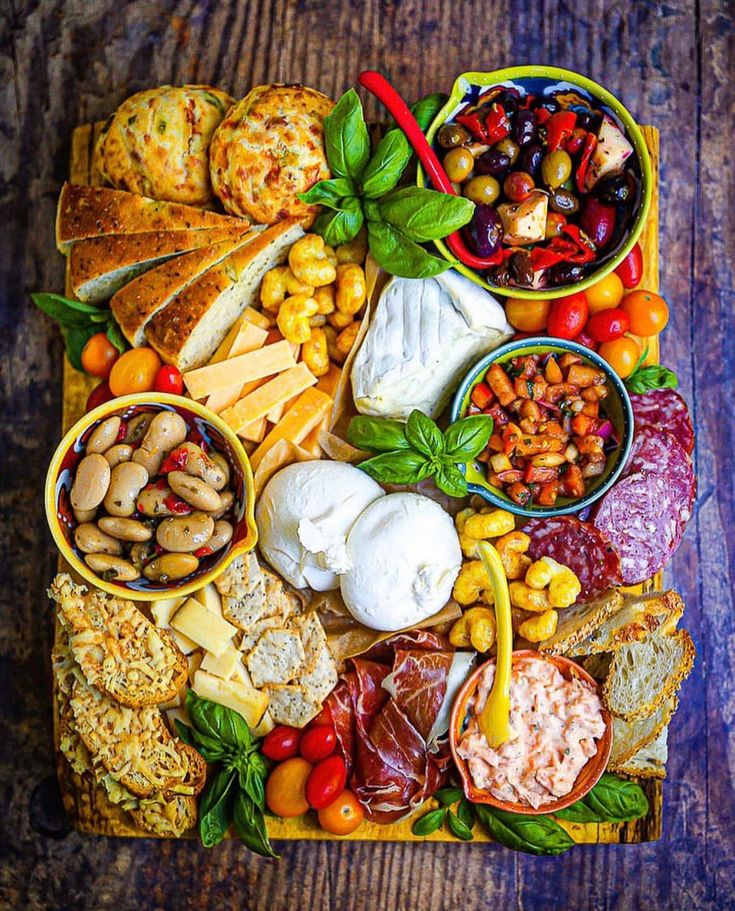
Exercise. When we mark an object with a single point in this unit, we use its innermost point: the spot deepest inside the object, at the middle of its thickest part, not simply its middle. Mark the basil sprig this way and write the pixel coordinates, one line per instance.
(410, 452)
(363, 191)
(78, 323)
(530, 834)
(460, 824)
(235, 795)
(612, 799)
(642, 379)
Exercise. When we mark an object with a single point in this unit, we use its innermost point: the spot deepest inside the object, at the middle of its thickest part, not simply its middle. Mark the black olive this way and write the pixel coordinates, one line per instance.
(493, 162)
(521, 268)
(452, 135)
(485, 232)
(551, 104)
(565, 274)
(564, 202)
(589, 120)
(501, 277)
(508, 100)
(524, 128)
(530, 159)
(617, 188)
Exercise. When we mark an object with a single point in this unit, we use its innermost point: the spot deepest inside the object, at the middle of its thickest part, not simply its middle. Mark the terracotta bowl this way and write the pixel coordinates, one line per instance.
(214, 431)
(588, 776)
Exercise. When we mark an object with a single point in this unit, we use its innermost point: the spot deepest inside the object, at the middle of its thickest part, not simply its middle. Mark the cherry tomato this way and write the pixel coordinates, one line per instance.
(98, 355)
(325, 782)
(607, 325)
(622, 355)
(318, 743)
(285, 790)
(518, 186)
(567, 315)
(134, 371)
(169, 379)
(282, 743)
(605, 294)
(648, 312)
(584, 338)
(527, 315)
(598, 221)
(343, 815)
(99, 395)
(631, 268)
(324, 717)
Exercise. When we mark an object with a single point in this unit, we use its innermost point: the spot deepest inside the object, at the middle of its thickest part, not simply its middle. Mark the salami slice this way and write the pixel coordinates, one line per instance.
(658, 451)
(579, 545)
(667, 410)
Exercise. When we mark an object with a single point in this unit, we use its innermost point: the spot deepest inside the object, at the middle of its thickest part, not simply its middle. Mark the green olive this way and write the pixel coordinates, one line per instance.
(556, 168)
(452, 135)
(458, 164)
(509, 148)
(483, 189)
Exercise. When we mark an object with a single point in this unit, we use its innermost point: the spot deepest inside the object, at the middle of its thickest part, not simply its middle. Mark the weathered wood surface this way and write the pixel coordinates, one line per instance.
(66, 63)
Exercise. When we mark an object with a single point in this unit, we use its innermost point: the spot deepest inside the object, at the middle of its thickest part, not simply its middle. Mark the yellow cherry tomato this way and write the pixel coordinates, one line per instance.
(605, 294)
(134, 371)
(285, 790)
(622, 355)
(648, 312)
(527, 315)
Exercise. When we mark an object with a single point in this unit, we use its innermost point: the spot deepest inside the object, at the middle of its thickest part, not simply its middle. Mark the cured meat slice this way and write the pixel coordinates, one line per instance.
(658, 451)
(418, 684)
(579, 545)
(667, 410)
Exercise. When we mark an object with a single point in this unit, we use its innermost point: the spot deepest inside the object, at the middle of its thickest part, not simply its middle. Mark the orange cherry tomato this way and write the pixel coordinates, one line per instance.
(527, 315)
(605, 294)
(98, 356)
(285, 790)
(622, 355)
(343, 815)
(134, 371)
(648, 312)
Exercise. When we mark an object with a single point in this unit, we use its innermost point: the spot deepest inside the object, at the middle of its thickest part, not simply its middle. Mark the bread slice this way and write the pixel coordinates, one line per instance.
(117, 648)
(100, 266)
(631, 737)
(650, 760)
(578, 621)
(167, 815)
(639, 616)
(644, 675)
(188, 331)
(134, 305)
(85, 211)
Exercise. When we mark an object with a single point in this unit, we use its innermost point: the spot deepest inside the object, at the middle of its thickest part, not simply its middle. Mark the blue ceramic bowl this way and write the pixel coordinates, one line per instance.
(617, 408)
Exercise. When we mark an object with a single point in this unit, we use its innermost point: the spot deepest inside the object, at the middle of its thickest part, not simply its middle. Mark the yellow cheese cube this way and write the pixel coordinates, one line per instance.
(250, 703)
(266, 725)
(254, 432)
(247, 338)
(210, 598)
(202, 626)
(256, 317)
(185, 644)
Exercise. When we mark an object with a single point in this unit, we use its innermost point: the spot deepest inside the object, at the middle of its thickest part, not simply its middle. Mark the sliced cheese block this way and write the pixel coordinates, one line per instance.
(265, 727)
(238, 696)
(268, 396)
(223, 665)
(162, 611)
(329, 382)
(249, 337)
(195, 661)
(255, 431)
(311, 441)
(202, 626)
(185, 644)
(253, 365)
(308, 411)
(256, 317)
(210, 598)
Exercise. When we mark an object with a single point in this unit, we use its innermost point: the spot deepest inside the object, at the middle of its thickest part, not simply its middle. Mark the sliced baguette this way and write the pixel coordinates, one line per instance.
(85, 211)
(650, 760)
(631, 737)
(578, 621)
(639, 616)
(100, 266)
(188, 331)
(141, 299)
(644, 675)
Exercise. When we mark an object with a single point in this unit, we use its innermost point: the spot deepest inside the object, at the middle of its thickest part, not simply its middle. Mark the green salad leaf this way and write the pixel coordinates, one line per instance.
(430, 822)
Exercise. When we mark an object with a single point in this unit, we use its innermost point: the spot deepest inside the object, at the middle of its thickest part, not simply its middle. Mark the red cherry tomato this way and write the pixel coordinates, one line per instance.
(282, 743)
(584, 338)
(567, 316)
(318, 743)
(607, 325)
(630, 271)
(169, 379)
(324, 717)
(326, 782)
(99, 395)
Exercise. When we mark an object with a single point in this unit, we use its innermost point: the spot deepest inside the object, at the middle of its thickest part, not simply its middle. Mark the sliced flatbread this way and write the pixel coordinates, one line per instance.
(277, 657)
(649, 761)
(290, 704)
(578, 621)
(631, 737)
(242, 587)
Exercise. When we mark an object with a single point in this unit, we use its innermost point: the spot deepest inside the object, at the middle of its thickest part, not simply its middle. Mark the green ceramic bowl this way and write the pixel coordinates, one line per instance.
(535, 79)
(617, 408)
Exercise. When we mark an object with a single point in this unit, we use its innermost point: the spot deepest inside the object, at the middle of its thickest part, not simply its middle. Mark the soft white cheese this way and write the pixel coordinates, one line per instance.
(304, 515)
(404, 557)
(425, 335)
(525, 222)
(611, 152)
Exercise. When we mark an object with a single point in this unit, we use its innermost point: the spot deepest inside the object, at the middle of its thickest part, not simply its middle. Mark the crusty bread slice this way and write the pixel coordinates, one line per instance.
(117, 648)
(85, 211)
(134, 305)
(188, 331)
(166, 815)
(644, 675)
(639, 616)
(631, 737)
(100, 266)
(579, 620)
(650, 760)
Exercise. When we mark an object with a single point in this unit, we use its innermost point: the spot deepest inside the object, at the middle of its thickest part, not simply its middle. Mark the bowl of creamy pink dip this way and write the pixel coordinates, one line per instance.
(562, 742)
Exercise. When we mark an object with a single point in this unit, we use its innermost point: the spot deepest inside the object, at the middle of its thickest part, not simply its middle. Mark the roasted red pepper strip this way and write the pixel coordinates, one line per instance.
(545, 258)
(203, 552)
(489, 127)
(559, 128)
(590, 144)
(175, 461)
(586, 249)
(542, 115)
(177, 506)
(474, 124)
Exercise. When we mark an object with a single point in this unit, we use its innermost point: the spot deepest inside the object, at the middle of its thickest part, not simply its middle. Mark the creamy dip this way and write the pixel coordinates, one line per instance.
(556, 722)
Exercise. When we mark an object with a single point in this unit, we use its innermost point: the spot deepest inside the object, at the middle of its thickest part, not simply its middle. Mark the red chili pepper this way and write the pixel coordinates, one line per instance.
(590, 144)
(559, 128)
(175, 461)
(542, 115)
(203, 552)
(196, 437)
(176, 505)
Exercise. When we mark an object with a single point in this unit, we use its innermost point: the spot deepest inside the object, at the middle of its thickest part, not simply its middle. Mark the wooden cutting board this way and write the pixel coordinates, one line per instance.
(87, 805)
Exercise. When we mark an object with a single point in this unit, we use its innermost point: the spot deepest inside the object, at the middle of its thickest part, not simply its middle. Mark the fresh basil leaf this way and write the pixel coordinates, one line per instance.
(257, 762)
(423, 434)
(377, 434)
(249, 824)
(401, 256)
(252, 783)
(213, 749)
(451, 480)
(426, 108)
(342, 226)
(58, 308)
(389, 161)
(422, 215)
(402, 467)
(458, 828)
(346, 137)
(329, 192)
(466, 813)
(114, 334)
(429, 822)
(185, 732)
(46, 299)
(654, 376)
(447, 796)
(218, 721)
(215, 808)
(538, 835)
(466, 438)
(612, 799)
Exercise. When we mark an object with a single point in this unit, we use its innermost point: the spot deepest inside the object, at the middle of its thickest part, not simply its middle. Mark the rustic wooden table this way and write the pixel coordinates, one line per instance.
(62, 64)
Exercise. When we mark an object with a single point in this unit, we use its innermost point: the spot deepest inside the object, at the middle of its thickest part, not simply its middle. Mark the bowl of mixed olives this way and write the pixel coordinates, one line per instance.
(150, 496)
(559, 173)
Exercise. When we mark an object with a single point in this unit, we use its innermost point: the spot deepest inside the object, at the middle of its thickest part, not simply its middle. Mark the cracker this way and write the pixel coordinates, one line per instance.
(277, 657)
(319, 682)
(290, 704)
